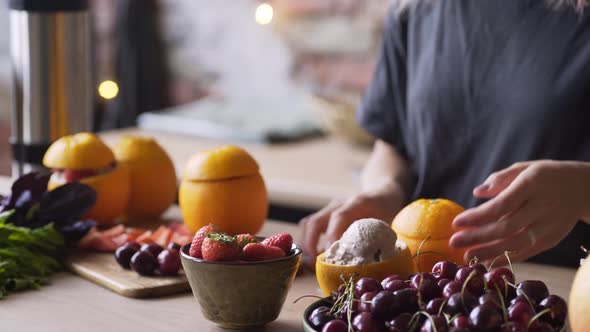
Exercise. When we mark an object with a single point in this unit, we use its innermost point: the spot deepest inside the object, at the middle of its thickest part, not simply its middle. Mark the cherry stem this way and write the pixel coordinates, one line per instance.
(306, 296)
(429, 318)
(522, 292)
(413, 321)
(348, 288)
(418, 252)
(507, 254)
(441, 308)
(453, 318)
(469, 277)
(504, 313)
(536, 317)
(350, 296)
(418, 293)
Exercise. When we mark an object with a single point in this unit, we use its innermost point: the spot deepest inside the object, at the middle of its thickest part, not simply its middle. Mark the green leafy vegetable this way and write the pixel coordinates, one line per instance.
(27, 256)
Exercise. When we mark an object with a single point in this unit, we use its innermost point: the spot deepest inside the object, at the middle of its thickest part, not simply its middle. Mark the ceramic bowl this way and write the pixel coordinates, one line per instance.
(307, 327)
(238, 295)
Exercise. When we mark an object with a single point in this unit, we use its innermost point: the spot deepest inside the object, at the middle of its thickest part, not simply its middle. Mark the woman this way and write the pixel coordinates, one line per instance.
(468, 88)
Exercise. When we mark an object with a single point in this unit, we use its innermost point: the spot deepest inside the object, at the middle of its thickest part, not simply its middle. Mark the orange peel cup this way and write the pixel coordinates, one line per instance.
(224, 187)
(329, 275)
(428, 222)
(151, 174)
(86, 151)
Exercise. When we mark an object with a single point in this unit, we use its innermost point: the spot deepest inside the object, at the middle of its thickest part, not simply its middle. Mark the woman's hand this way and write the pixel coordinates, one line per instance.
(335, 218)
(533, 206)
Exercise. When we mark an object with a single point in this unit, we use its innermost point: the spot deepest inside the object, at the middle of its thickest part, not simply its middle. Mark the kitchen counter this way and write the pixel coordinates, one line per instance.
(306, 174)
(71, 303)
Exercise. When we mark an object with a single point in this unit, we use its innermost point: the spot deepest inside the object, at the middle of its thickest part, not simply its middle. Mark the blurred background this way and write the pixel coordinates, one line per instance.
(267, 71)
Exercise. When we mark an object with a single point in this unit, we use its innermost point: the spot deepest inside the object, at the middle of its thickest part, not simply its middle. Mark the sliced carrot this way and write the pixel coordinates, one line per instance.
(159, 231)
(106, 245)
(181, 240)
(162, 237)
(88, 239)
(134, 233)
(121, 239)
(114, 231)
(97, 242)
(145, 237)
(180, 229)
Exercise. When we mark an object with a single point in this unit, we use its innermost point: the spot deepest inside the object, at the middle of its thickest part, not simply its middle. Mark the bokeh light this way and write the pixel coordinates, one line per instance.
(108, 89)
(264, 14)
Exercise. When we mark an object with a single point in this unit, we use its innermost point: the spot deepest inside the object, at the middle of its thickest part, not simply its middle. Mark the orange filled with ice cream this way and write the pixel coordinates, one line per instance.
(370, 248)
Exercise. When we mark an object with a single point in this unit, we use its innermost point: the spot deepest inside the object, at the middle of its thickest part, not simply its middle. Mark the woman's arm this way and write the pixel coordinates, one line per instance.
(386, 170)
(385, 181)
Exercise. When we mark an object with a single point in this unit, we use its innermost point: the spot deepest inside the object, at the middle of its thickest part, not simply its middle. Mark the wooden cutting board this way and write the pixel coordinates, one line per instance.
(101, 268)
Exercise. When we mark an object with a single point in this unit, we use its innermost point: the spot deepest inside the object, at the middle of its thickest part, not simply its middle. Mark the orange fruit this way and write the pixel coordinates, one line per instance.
(579, 299)
(152, 176)
(429, 220)
(78, 152)
(86, 152)
(328, 275)
(223, 187)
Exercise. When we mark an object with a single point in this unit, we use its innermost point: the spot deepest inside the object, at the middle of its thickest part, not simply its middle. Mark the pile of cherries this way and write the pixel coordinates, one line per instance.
(149, 258)
(451, 298)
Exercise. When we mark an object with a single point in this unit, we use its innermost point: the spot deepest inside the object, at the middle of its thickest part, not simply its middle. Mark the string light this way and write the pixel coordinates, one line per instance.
(264, 14)
(108, 89)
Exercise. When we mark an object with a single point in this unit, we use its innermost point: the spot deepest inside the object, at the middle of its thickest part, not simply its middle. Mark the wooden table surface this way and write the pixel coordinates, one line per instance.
(70, 303)
(305, 174)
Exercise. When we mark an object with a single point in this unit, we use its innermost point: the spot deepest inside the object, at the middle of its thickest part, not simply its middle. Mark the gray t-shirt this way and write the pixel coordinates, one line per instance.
(464, 88)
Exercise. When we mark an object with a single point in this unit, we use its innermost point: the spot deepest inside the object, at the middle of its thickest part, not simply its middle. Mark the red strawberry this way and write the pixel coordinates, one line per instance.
(262, 252)
(281, 240)
(195, 249)
(220, 247)
(244, 239)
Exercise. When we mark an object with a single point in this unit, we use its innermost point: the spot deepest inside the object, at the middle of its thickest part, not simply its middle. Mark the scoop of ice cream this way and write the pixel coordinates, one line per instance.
(366, 241)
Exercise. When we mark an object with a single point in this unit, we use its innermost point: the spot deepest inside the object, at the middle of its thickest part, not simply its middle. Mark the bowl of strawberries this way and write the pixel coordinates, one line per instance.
(240, 281)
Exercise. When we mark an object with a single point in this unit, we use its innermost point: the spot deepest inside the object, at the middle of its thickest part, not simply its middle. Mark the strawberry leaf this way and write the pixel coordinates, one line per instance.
(222, 237)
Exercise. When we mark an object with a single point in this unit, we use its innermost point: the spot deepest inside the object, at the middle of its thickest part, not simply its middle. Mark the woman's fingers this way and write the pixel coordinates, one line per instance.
(506, 202)
(542, 234)
(499, 181)
(505, 227)
(518, 243)
(315, 225)
(339, 222)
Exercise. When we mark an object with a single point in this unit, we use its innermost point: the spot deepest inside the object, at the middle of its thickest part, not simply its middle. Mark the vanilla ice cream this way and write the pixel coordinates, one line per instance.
(365, 241)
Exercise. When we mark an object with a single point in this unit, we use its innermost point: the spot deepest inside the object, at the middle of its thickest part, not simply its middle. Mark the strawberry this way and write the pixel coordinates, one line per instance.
(262, 252)
(281, 240)
(244, 239)
(195, 249)
(220, 247)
